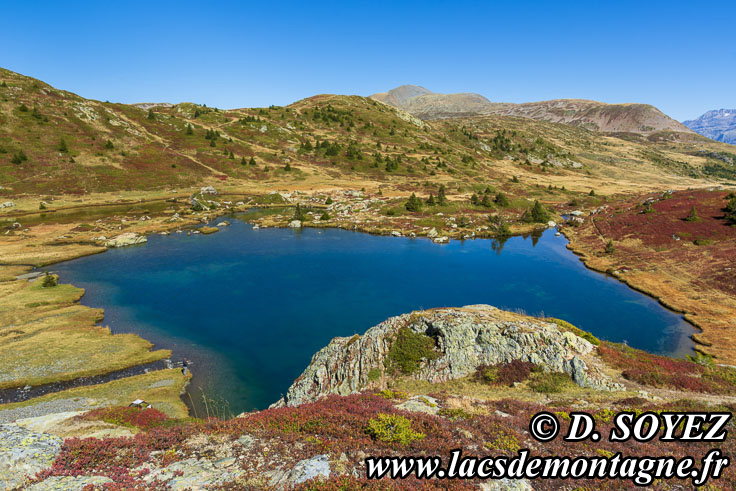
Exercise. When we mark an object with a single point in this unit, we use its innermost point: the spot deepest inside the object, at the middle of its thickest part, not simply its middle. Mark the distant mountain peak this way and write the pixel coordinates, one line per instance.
(593, 115)
(717, 124)
(426, 104)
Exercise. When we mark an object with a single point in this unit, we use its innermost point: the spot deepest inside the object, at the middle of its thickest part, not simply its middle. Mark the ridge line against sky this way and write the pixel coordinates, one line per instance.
(678, 56)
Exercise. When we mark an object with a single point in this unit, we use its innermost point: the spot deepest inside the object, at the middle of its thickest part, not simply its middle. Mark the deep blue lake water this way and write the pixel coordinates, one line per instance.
(250, 307)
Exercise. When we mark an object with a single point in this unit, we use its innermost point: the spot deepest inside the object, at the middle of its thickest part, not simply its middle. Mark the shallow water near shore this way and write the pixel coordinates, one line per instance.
(249, 307)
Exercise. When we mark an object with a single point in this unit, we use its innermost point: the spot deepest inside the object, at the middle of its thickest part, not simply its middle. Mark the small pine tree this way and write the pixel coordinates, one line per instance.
(430, 200)
(62, 145)
(329, 201)
(252, 161)
(324, 216)
(287, 167)
(486, 201)
(592, 192)
(19, 157)
(441, 196)
(3, 85)
(109, 145)
(610, 248)
(538, 214)
(730, 209)
(232, 155)
(190, 130)
(42, 206)
(414, 204)
(474, 199)
(693, 215)
(299, 213)
(242, 161)
(212, 142)
(501, 200)
(151, 115)
(515, 179)
(49, 280)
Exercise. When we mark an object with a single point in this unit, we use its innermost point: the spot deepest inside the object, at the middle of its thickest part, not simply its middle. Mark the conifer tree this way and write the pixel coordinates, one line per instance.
(414, 204)
(693, 215)
(441, 197)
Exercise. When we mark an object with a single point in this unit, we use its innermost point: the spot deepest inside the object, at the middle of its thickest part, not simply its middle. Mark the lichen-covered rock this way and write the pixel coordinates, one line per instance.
(420, 404)
(193, 473)
(304, 470)
(126, 239)
(24, 453)
(465, 338)
(66, 483)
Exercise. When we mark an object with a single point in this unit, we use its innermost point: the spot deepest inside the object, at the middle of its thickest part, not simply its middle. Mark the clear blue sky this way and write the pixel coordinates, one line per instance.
(679, 56)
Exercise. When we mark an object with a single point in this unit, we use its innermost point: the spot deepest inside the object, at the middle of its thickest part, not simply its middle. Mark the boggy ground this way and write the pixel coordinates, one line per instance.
(689, 265)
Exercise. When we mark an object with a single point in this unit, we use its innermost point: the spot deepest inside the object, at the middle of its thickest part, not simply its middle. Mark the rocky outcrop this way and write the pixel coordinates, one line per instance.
(126, 239)
(465, 338)
(24, 453)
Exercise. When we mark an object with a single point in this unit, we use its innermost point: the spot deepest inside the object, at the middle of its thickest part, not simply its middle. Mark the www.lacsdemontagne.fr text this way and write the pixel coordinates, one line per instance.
(642, 471)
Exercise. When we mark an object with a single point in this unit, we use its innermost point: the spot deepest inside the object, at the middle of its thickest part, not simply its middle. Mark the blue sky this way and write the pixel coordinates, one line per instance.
(679, 56)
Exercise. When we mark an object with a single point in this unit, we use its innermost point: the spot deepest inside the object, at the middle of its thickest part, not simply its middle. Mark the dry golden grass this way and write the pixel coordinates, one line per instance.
(48, 337)
(160, 388)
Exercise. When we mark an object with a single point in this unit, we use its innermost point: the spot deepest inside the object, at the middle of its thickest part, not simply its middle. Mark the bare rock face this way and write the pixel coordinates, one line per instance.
(465, 338)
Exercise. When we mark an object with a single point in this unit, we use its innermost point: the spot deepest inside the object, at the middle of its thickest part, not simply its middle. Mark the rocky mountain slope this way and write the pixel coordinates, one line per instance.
(597, 116)
(719, 125)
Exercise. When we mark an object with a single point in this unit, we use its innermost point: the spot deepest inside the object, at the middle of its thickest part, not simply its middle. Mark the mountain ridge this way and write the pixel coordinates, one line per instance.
(717, 124)
(593, 115)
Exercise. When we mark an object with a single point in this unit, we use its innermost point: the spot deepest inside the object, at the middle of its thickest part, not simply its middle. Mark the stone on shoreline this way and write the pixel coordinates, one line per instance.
(126, 239)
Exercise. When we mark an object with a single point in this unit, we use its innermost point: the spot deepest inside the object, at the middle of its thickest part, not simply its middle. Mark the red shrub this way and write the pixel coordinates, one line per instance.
(128, 416)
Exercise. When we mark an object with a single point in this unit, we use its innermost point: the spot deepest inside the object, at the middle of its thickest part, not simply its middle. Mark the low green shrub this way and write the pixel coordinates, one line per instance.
(408, 350)
(566, 326)
(550, 383)
(392, 428)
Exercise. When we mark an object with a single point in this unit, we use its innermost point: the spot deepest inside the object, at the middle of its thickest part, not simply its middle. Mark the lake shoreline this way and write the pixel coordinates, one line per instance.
(191, 223)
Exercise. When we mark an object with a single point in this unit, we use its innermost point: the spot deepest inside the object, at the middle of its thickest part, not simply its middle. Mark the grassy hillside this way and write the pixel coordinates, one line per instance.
(53, 141)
